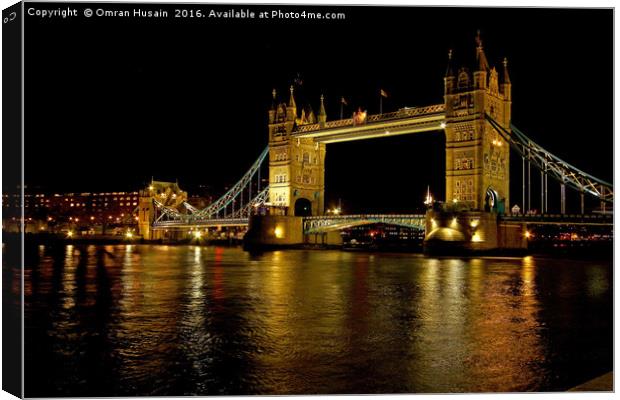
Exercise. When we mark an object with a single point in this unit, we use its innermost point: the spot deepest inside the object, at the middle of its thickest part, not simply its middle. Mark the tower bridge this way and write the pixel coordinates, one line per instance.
(476, 120)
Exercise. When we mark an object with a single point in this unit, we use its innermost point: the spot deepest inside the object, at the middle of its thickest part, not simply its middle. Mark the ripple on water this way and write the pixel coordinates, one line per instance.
(174, 320)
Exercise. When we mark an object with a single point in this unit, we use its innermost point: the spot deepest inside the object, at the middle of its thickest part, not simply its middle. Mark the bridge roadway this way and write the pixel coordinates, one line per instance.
(311, 224)
(200, 223)
(403, 121)
(327, 223)
(338, 222)
(561, 219)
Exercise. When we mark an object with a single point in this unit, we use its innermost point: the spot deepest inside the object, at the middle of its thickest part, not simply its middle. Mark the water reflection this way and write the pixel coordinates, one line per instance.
(168, 320)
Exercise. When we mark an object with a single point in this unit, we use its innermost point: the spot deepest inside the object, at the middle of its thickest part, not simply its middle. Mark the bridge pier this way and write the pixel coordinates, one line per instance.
(329, 238)
(471, 231)
(274, 231)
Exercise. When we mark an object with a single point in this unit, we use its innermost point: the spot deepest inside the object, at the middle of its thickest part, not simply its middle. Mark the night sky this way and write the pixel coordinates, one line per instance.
(112, 102)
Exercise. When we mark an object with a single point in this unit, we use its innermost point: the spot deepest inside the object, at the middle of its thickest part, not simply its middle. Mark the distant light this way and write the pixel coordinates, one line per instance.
(197, 234)
(528, 234)
(151, 187)
(476, 237)
(279, 232)
(129, 235)
(454, 200)
(387, 132)
(70, 234)
(442, 125)
(92, 218)
(474, 223)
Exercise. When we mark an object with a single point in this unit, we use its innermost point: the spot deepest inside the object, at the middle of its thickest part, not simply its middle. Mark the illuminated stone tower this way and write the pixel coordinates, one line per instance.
(477, 157)
(296, 166)
(168, 194)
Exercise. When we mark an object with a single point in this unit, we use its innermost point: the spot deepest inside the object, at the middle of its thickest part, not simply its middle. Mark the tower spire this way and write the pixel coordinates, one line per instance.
(322, 108)
(449, 71)
(291, 102)
(273, 101)
(483, 64)
(506, 76)
(322, 113)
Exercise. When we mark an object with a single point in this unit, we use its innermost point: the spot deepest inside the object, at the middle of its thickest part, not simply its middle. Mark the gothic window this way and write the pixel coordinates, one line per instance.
(279, 131)
(463, 100)
(306, 157)
(463, 80)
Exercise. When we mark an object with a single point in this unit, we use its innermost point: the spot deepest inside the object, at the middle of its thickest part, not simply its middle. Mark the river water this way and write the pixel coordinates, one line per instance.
(174, 320)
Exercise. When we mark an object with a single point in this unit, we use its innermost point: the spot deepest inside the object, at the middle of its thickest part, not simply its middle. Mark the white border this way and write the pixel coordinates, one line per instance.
(488, 3)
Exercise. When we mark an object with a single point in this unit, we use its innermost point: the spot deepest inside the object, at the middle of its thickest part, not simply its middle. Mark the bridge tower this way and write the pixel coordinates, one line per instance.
(477, 157)
(296, 166)
(165, 193)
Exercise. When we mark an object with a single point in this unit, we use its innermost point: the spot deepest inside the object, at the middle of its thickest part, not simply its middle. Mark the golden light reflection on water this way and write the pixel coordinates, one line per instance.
(213, 320)
(68, 282)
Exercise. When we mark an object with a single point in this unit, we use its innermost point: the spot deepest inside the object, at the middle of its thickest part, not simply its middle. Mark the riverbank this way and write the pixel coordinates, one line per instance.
(54, 239)
(592, 251)
(603, 383)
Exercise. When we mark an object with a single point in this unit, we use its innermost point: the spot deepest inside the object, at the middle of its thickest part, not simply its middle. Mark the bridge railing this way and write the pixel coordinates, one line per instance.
(204, 222)
(322, 223)
(400, 114)
(358, 216)
(558, 217)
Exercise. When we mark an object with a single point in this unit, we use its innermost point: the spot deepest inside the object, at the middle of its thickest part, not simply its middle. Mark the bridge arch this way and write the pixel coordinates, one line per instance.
(303, 207)
(491, 199)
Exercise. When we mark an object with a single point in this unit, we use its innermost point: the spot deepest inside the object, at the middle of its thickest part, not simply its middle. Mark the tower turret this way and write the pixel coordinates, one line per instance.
(322, 113)
(449, 77)
(291, 109)
(506, 85)
(482, 65)
(274, 107)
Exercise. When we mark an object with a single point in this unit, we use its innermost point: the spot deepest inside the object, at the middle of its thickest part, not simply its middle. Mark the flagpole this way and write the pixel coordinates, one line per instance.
(342, 108)
(380, 103)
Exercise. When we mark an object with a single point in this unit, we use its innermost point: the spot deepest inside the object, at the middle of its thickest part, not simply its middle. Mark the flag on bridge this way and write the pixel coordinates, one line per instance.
(382, 94)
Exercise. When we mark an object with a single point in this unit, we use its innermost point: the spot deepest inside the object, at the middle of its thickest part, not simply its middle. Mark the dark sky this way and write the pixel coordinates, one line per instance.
(112, 102)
